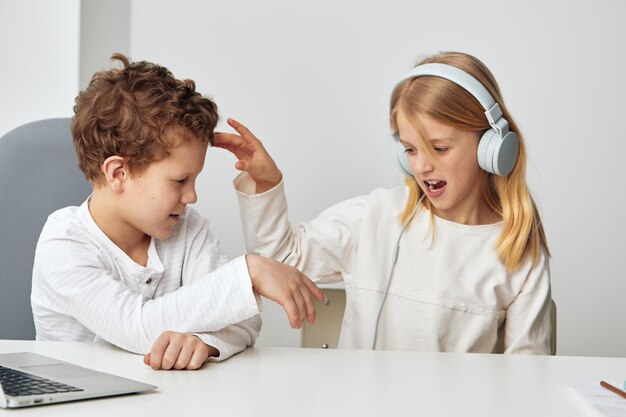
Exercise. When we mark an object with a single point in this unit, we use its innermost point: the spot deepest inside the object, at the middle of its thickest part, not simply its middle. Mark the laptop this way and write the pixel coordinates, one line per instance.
(28, 379)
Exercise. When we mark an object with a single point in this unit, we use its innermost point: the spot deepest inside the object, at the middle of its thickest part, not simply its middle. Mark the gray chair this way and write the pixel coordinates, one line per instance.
(38, 175)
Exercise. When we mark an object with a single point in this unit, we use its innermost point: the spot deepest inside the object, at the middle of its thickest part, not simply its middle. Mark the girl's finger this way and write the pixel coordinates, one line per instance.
(314, 289)
(301, 304)
(242, 165)
(291, 309)
(222, 138)
(309, 304)
(242, 130)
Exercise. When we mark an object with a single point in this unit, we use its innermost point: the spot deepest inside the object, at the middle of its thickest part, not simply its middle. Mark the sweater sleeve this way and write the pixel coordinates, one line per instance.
(323, 248)
(73, 279)
(234, 338)
(528, 327)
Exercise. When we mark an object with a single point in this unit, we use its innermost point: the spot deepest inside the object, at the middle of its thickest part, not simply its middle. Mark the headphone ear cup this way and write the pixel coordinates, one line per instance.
(400, 157)
(483, 153)
(507, 152)
(498, 155)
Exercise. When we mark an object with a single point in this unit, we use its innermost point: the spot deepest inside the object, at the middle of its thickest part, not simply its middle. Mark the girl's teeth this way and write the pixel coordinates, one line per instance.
(435, 185)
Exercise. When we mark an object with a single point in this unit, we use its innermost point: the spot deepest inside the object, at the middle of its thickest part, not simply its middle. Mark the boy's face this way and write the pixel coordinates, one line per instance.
(156, 197)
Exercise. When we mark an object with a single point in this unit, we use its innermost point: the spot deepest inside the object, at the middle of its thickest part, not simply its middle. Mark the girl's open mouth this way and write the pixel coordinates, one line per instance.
(435, 188)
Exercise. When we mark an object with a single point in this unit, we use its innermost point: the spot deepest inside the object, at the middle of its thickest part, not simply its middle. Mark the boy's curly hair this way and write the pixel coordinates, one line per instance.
(130, 111)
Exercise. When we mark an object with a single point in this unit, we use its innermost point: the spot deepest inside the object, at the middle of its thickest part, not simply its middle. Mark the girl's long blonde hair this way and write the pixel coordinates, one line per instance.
(448, 103)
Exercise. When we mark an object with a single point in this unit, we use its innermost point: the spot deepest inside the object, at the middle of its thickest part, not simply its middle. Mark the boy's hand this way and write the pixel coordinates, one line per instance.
(252, 156)
(287, 286)
(178, 351)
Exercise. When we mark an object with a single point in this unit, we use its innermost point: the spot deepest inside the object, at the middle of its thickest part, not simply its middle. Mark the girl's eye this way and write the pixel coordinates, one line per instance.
(440, 150)
(181, 181)
(409, 150)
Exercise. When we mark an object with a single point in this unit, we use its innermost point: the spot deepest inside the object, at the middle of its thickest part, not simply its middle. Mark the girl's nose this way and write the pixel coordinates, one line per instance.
(422, 163)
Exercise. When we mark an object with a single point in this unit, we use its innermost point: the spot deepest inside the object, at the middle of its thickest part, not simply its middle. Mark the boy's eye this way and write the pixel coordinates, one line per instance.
(181, 181)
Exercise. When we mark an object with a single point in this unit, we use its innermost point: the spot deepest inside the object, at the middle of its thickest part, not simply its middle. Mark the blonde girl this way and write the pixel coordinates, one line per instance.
(457, 259)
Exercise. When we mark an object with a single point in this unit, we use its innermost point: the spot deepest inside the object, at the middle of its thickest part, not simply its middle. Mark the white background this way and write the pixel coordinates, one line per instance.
(38, 60)
(312, 80)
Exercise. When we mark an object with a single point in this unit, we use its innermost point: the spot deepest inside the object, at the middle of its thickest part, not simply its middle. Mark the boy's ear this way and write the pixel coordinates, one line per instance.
(115, 172)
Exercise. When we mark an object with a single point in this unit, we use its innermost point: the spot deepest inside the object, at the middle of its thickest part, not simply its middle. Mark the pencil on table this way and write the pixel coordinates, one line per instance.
(614, 389)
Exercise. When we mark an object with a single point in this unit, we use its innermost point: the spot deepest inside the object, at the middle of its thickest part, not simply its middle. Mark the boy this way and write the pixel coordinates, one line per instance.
(133, 265)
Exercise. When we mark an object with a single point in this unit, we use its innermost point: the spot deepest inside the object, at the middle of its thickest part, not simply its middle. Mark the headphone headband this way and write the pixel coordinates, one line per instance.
(463, 80)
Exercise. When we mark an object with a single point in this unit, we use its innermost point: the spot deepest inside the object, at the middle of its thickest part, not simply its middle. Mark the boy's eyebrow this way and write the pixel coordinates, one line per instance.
(185, 173)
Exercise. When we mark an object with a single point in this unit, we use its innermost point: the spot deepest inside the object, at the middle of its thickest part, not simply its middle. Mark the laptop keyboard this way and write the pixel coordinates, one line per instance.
(16, 383)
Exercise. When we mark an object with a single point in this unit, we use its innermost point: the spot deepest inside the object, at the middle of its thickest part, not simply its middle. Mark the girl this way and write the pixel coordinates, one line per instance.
(472, 273)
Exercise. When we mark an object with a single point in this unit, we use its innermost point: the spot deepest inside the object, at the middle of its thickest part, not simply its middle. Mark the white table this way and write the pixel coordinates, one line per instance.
(325, 383)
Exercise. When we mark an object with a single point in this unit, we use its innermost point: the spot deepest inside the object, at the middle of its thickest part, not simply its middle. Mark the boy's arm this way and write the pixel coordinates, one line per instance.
(69, 278)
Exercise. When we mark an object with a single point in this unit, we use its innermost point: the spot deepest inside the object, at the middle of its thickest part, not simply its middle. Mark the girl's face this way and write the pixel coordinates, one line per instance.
(450, 177)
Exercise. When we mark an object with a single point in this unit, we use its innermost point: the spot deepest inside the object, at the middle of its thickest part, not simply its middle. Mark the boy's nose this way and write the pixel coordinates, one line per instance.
(189, 197)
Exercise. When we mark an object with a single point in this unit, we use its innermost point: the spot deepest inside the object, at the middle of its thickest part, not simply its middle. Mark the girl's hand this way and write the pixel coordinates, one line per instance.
(252, 156)
(287, 286)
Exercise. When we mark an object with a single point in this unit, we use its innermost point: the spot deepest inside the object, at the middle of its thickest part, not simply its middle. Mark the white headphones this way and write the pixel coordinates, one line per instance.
(498, 147)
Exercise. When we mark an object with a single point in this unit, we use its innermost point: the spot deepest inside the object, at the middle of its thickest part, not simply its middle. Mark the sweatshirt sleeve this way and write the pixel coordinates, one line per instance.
(234, 338)
(528, 327)
(323, 248)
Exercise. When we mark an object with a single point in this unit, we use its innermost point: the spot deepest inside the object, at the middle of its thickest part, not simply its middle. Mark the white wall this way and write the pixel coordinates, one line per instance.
(49, 51)
(104, 29)
(313, 79)
(39, 52)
